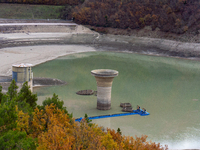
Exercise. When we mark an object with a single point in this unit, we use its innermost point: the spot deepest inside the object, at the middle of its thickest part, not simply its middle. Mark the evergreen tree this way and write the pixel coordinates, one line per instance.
(88, 120)
(1, 94)
(17, 140)
(56, 101)
(119, 131)
(26, 95)
(8, 114)
(12, 90)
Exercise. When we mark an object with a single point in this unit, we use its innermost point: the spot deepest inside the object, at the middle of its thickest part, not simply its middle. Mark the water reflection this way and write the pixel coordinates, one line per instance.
(168, 88)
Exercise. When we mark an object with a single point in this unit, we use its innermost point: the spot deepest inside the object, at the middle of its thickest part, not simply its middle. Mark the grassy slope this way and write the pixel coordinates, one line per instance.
(20, 11)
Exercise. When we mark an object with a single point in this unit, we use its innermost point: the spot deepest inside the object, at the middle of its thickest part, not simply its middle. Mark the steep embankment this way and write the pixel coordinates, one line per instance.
(23, 35)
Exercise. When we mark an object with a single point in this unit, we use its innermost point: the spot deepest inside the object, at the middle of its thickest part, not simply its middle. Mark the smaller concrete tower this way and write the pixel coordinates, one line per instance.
(22, 73)
(104, 79)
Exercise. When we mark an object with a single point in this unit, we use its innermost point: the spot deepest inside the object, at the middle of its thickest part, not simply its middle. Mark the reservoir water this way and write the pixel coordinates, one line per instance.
(169, 88)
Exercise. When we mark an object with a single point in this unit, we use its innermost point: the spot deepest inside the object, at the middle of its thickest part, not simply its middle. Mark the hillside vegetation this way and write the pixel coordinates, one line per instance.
(26, 125)
(175, 16)
(44, 2)
(169, 16)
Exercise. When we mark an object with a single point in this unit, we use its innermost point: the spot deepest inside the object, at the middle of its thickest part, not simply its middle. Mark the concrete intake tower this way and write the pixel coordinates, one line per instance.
(104, 79)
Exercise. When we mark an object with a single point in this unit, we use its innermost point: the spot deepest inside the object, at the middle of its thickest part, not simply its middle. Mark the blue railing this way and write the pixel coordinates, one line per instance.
(135, 112)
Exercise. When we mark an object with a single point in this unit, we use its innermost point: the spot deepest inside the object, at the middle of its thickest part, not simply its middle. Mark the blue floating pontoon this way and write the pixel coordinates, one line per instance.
(135, 112)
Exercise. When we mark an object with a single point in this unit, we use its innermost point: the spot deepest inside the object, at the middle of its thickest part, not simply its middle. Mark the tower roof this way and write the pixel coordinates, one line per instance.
(22, 65)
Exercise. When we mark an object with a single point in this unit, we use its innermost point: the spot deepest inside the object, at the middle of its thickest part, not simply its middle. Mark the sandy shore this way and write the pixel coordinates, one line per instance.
(35, 55)
(37, 43)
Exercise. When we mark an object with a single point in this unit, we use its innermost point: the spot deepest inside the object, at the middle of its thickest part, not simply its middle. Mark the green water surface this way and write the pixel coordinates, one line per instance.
(169, 88)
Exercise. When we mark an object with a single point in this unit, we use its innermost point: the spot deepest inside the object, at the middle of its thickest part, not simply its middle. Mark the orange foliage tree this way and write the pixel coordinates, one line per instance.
(54, 129)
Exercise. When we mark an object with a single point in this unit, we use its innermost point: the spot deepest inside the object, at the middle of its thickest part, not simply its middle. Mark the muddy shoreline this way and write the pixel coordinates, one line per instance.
(5, 82)
(54, 32)
(150, 46)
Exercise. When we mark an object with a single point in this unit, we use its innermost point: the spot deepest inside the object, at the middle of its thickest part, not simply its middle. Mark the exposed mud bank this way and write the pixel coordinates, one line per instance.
(5, 86)
(5, 78)
(141, 45)
(150, 46)
(47, 82)
(5, 82)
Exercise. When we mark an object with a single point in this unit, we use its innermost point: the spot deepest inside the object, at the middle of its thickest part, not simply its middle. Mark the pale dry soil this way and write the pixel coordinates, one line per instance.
(35, 55)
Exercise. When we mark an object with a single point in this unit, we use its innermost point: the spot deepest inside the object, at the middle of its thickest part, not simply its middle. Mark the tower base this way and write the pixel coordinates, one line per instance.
(101, 106)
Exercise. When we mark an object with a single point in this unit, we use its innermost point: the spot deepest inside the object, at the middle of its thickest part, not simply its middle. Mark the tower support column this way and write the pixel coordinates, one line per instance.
(104, 79)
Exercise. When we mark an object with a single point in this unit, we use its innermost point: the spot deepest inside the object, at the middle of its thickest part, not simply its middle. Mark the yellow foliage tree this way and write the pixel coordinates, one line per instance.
(108, 143)
(55, 138)
(55, 130)
(117, 137)
(87, 137)
(23, 121)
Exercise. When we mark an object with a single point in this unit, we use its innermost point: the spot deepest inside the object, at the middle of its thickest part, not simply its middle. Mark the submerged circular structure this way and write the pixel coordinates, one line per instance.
(104, 79)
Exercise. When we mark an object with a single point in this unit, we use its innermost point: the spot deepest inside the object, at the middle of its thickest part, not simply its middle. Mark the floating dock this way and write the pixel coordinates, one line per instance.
(135, 112)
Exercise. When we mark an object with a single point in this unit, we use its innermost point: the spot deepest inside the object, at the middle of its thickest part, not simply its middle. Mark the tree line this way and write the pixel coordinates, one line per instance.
(44, 2)
(26, 125)
(175, 16)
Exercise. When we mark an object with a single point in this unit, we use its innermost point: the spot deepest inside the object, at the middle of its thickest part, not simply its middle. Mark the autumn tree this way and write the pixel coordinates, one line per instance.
(108, 142)
(87, 136)
(169, 16)
(51, 127)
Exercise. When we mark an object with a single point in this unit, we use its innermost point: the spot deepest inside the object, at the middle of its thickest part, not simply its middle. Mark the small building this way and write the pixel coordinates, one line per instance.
(22, 72)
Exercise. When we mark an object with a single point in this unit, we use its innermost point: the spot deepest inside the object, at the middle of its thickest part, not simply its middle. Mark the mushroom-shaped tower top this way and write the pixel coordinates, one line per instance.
(104, 73)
